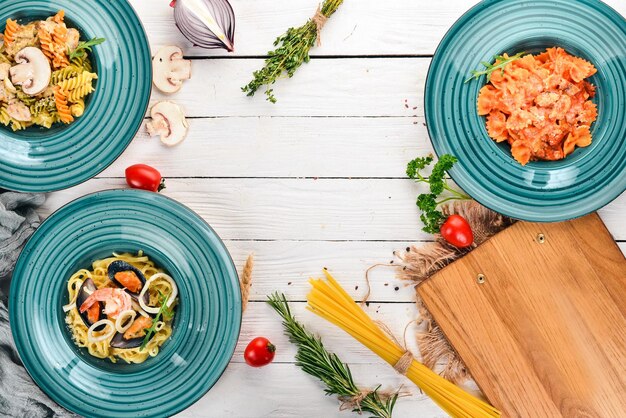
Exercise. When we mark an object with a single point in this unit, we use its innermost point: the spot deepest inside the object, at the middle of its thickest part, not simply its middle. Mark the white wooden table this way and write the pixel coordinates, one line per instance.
(314, 181)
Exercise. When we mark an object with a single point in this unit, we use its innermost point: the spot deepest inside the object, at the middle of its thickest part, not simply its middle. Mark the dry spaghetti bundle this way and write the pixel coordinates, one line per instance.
(330, 301)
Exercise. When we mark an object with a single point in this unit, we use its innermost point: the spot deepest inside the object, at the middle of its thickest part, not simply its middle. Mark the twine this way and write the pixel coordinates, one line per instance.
(320, 20)
(404, 363)
(367, 280)
(246, 281)
(354, 402)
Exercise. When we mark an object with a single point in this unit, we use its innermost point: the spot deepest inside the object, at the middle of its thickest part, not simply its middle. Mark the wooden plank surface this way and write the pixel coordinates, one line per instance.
(285, 147)
(305, 209)
(343, 87)
(315, 180)
(545, 334)
(363, 27)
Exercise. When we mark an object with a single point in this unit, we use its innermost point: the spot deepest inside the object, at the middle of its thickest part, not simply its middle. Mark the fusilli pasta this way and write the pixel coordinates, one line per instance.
(71, 80)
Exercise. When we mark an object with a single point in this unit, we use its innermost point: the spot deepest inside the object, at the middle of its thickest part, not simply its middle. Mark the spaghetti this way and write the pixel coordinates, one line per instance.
(103, 311)
(330, 301)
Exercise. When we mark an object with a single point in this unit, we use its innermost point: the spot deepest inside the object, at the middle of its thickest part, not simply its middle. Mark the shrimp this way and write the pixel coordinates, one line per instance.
(138, 328)
(116, 301)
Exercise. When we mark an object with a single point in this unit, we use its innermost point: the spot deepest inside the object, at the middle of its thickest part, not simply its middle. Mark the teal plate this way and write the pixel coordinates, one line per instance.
(42, 160)
(206, 326)
(540, 191)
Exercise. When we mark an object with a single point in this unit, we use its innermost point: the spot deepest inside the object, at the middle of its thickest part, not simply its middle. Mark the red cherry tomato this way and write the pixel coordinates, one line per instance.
(142, 176)
(457, 231)
(259, 352)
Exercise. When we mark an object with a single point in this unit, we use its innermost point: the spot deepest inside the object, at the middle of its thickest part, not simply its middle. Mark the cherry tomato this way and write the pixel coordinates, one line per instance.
(457, 231)
(259, 352)
(142, 176)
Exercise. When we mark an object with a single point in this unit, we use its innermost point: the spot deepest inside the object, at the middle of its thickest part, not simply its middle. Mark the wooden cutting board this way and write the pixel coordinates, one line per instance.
(544, 334)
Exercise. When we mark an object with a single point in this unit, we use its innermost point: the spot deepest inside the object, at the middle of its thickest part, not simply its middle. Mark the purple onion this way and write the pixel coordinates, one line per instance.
(206, 23)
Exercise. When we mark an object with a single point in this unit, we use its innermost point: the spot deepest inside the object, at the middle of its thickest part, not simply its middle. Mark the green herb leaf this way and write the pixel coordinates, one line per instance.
(431, 217)
(315, 360)
(79, 51)
(164, 312)
(500, 61)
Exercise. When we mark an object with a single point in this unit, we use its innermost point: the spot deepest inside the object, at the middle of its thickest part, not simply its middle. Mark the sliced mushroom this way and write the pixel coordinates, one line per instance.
(168, 121)
(33, 71)
(170, 69)
(72, 39)
(19, 111)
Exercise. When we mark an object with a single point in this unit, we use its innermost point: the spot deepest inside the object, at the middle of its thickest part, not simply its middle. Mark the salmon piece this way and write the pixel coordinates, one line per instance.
(129, 280)
(93, 313)
(138, 328)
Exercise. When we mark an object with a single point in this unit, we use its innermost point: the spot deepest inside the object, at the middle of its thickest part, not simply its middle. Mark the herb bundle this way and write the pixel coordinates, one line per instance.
(500, 61)
(292, 52)
(427, 202)
(313, 358)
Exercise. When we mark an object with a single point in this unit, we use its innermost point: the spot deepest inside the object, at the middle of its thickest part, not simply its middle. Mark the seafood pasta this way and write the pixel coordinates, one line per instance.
(122, 308)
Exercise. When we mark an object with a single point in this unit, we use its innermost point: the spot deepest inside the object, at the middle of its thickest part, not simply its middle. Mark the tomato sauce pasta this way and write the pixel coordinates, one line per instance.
(541, 105)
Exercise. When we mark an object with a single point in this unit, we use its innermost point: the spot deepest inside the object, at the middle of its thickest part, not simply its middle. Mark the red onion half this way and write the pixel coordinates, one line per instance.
(206, 23)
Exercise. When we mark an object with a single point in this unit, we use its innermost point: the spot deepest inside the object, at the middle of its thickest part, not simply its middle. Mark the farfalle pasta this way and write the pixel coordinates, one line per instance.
(541, 105)
(45, 73)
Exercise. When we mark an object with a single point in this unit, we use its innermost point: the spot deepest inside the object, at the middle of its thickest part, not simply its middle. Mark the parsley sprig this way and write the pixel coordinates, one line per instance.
(500, 61)
(80, 50)
(431, 217)
(164, 312)
(315, 360)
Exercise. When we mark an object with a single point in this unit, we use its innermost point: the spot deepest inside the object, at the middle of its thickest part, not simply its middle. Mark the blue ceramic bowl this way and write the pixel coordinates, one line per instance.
(206, 325)
(540, 191)
(42, 160)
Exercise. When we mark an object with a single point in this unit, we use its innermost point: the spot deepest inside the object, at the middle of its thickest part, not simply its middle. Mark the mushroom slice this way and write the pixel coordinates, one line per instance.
(33, 71)
(170, 69)
(19, 111)
(168, 121)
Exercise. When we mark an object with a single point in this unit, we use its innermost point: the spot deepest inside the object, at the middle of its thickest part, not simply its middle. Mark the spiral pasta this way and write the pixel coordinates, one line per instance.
(80, 92)
(82, 63)
(44, 119)
(72, 80)
(10, 31)
(78, 108)
(83, 79)
(64, 74)
(60, 98)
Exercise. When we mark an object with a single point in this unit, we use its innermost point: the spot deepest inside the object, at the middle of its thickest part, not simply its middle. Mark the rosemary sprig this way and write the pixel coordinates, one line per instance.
(290, 55)
(79, 51)
(500, 61)
(163, 311)
(315, 360)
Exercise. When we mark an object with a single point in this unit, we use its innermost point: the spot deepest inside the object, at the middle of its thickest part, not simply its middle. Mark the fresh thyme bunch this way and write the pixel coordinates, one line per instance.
(313, 358)
(292, 52)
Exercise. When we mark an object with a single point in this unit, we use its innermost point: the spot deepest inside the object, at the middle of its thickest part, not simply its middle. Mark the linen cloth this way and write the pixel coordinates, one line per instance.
(19, 395)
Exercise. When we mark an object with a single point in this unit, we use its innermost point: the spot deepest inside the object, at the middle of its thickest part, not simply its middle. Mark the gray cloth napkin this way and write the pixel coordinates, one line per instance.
(19, 395)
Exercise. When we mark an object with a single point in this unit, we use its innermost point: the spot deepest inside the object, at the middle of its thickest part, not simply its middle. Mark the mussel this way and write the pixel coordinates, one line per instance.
(118, 340)
(86, 289)
(125, 275)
